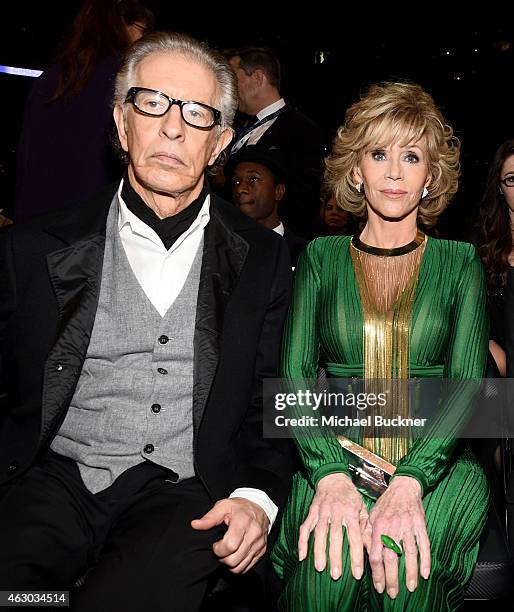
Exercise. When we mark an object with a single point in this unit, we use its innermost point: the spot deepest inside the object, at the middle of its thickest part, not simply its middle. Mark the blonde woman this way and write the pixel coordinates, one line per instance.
(390, 303)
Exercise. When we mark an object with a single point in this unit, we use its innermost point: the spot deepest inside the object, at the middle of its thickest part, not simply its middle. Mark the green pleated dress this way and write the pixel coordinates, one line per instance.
(448, 338)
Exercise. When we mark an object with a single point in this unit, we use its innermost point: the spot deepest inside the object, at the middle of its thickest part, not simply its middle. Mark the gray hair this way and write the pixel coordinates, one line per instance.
(187, 46)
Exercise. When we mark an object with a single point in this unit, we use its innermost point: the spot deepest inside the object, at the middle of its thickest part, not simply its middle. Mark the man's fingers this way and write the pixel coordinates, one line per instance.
(246, 564)
(232, 540)
(216, 515)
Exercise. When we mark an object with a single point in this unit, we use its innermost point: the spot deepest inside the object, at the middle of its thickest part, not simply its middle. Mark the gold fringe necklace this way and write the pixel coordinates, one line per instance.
(387, 281)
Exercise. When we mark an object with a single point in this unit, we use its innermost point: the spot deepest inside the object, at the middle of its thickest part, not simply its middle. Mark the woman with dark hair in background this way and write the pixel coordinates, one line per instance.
(333, 219)
(65, 139)
(496, 246)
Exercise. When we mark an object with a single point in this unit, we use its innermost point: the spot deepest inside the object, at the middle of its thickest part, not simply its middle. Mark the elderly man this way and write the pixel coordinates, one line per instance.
(136, 330)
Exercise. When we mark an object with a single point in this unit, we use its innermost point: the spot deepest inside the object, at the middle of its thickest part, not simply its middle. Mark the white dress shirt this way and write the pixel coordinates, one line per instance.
(162, 273)
(279, 229)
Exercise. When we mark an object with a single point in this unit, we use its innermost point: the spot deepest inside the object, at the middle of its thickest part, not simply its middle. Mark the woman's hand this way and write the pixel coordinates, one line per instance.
(399, 514)
(336, 504)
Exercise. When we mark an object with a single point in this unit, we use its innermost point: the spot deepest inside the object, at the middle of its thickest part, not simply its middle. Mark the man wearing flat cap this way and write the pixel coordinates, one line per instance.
(259, 180)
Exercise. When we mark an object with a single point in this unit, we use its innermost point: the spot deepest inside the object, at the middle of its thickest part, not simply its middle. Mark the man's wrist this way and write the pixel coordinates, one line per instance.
(259, 497)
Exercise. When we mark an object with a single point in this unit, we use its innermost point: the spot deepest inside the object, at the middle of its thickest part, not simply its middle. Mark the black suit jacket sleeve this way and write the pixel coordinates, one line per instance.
(7, 306)
(268, 461)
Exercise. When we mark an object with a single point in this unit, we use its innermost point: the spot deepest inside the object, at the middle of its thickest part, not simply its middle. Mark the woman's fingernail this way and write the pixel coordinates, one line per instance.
(336, 574)
(411, 585)
(357, 574)
(425, 573)
(379, 587)
(392, 593)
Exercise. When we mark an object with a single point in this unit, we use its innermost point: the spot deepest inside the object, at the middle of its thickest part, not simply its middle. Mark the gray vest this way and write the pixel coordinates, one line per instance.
(134, 397)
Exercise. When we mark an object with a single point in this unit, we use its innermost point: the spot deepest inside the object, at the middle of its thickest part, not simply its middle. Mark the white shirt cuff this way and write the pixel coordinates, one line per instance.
(261, 499)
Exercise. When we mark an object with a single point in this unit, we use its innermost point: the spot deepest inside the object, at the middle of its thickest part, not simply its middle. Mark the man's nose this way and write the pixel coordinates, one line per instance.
(240, 188)
(172, 124)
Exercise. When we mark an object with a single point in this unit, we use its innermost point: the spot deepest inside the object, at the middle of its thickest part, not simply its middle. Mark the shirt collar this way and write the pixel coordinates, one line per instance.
(127, 218)
(279, 229)
(271, 109)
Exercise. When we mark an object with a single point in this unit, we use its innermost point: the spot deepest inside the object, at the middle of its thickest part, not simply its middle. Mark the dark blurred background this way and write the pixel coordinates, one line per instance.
(327, 59)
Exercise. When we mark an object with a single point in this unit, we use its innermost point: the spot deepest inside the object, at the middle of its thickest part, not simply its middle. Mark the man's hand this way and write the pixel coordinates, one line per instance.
(244, 543)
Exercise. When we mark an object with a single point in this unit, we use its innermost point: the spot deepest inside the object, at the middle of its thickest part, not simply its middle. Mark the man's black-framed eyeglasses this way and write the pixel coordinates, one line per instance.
(508, 181)
(156, 104)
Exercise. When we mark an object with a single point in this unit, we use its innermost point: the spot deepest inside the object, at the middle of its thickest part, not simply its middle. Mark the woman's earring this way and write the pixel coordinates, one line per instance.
(359, 187)
(425, 193)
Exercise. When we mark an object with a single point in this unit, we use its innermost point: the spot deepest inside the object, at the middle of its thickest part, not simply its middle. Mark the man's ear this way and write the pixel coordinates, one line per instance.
(119, 119)
(280, 191)
(259, 76)
(224, 139)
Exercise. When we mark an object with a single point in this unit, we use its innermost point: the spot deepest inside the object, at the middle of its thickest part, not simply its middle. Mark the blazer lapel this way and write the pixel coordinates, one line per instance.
(75, 273)
(223, 258)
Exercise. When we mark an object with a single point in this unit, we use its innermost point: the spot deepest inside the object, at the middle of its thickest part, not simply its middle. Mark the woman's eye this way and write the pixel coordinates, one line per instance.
(509, 179)
(412, 158)
(378, 155)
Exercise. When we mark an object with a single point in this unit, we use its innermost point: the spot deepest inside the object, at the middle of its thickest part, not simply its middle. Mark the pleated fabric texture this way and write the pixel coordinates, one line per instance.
(449, 338)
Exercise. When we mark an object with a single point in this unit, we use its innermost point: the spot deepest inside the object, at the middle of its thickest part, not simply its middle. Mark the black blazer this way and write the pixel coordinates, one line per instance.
(50, 272)
(295, 245)
(300, 144)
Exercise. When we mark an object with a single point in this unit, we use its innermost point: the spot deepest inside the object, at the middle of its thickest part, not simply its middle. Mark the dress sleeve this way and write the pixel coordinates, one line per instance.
(429, 457)
(321, 454)
(509, 322)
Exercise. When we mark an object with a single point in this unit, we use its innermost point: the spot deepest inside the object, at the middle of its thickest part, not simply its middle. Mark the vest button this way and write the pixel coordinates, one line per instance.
(156, 408)
(163, 339)
(148, 449)
(162, 371)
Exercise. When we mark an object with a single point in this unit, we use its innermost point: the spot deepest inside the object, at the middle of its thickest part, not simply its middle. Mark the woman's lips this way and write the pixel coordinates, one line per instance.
(394, 194)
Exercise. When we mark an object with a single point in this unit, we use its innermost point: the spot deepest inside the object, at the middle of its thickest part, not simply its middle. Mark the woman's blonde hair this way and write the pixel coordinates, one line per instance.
(401, 113)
